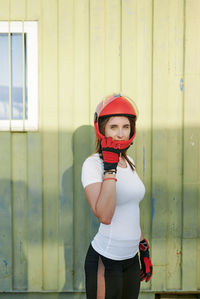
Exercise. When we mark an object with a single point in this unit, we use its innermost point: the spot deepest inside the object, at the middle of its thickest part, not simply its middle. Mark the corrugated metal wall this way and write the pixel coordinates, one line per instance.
(149, 50)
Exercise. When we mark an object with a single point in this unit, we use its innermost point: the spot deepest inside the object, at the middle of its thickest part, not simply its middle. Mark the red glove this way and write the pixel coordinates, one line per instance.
(110, 152)
(147, 268)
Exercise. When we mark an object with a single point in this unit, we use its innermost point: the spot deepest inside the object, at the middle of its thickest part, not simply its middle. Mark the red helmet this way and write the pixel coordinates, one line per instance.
(112, 106)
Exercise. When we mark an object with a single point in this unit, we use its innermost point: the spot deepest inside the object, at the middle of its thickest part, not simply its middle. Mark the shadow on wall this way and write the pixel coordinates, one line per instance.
(22, 250)
(80, 224)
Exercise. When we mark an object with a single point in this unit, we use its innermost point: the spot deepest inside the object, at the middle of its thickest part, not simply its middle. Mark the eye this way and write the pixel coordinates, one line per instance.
(127, 126)
(113, 126)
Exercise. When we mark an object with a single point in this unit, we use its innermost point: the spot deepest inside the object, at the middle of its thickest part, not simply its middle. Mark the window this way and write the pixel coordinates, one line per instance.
(18, 76)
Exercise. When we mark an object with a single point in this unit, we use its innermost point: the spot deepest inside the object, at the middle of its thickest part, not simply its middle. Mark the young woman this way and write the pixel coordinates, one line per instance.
(114, 191)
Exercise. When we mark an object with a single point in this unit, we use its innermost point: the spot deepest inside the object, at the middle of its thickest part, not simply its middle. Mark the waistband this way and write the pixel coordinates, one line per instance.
(115, 249)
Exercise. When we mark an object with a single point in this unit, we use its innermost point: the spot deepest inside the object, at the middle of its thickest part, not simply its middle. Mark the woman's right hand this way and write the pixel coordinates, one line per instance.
(147, 267)
(110, 152)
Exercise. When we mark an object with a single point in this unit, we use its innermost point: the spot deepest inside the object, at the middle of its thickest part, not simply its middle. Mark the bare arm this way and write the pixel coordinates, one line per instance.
(102, 199)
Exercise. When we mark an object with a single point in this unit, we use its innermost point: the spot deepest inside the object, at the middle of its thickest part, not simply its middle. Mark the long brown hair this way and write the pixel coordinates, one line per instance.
(102, 123)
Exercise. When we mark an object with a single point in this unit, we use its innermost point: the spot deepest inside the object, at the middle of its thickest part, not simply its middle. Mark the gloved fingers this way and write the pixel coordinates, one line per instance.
(115, 144)
(149, 275)
(103, 143)
(109, 142)
(145, 277)
(142, 275)
(146, 272)
(112, 143)
(122, 145)
(106, 142)
(148, 278)
(148, 264)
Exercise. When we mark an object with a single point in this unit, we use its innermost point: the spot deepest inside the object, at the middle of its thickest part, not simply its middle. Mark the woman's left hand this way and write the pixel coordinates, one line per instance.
(147, 267)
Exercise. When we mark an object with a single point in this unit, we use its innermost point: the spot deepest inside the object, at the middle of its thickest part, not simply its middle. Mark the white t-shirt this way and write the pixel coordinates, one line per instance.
(120, 239)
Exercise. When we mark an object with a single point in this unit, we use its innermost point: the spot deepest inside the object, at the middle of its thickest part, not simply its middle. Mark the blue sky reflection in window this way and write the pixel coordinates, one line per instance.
(16, 76)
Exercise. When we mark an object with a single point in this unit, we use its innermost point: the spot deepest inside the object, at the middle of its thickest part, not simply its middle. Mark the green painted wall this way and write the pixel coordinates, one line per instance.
(149, 50)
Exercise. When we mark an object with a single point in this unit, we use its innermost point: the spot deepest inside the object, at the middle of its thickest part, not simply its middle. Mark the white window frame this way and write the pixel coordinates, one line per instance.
(31, 30)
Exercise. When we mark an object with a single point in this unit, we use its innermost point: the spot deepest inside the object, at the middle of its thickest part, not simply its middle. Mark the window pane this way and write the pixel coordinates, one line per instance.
(4, 77)
(17, 76)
